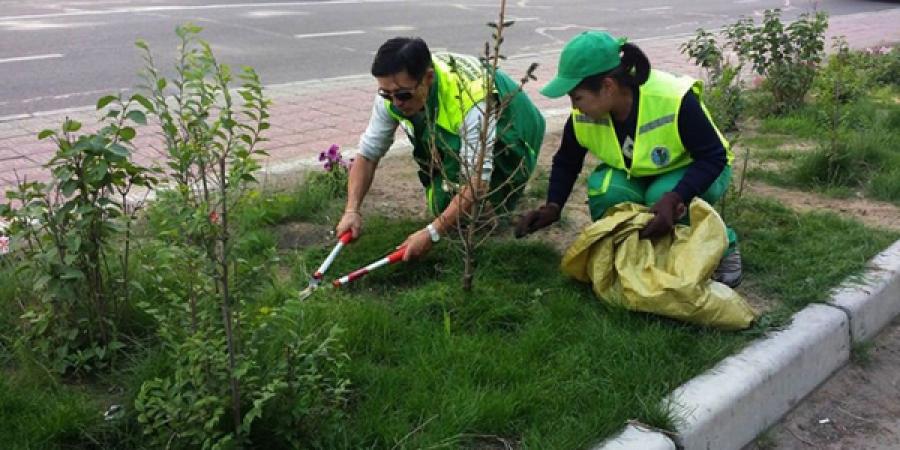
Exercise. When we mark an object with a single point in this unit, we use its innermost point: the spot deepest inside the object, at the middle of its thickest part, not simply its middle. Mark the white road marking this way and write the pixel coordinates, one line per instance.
(24, 25)
(543, 30)
(398, 28)
(333, 33)
(31, 58)
(655, 9)
(267, 14)
(69, 95)
(142, 9)
(524, 4)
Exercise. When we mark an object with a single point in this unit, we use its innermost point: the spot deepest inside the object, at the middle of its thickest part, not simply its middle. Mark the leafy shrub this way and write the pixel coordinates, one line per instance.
(724, 93)
(840, 80)
(787, 56)
(68, 233)
(291, 386)
(234, 371)
(883, 65)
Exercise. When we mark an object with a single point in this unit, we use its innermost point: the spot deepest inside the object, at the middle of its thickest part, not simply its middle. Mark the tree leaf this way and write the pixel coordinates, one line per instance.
(71, 126)
(137, 117)
(105, 101)
(71, 273)
(143, 101)
(128, 133)
(119, 150)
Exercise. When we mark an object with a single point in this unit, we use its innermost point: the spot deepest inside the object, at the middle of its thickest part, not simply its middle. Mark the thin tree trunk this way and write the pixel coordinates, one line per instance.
(226, 302)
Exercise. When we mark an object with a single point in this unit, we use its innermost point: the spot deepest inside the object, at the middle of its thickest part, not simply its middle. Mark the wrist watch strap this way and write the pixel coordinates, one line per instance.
(435, 236)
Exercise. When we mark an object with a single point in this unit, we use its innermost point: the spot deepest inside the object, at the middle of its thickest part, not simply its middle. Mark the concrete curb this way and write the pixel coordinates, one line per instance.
(730, 404)
(875, 301)
(636, 438)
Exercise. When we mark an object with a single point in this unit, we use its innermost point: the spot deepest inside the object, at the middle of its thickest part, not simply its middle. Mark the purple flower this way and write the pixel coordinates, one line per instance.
(332, 159)
(4, 245)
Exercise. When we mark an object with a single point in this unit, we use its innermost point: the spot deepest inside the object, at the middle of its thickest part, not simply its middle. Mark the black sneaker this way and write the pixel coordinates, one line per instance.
(730, 271)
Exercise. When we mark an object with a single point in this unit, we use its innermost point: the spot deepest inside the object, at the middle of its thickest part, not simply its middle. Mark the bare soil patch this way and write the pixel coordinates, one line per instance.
(870, 212)
(295, 235)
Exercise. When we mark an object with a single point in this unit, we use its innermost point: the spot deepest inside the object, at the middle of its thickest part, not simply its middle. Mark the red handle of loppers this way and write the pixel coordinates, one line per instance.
(394, 257)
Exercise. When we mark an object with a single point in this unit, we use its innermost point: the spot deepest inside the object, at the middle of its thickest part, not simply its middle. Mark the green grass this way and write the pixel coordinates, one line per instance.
(38, 416)
(863, 157)
(803, 123)
(538, 361)
(528, 357)
(539, 184)
(764, 141)
(796, 258)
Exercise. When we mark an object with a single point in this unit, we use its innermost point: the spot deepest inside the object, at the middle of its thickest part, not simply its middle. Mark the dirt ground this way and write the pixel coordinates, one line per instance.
(857, 409)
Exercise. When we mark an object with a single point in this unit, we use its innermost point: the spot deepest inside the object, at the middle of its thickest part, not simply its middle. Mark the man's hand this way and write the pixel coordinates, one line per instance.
(537, 219)
(417, 245)
(667, 210)
(351, 220)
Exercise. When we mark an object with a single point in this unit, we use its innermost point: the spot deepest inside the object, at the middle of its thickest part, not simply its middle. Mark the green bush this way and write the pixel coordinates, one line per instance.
(724, 93)
(883, 65)
(236, 369)
(787, 56)
(73, 238)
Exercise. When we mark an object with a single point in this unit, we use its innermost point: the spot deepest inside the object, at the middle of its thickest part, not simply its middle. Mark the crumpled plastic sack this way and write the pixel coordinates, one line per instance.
(669, 276)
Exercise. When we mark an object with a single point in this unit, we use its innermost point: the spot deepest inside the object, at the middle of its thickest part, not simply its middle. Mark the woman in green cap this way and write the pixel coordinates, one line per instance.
(656, 141)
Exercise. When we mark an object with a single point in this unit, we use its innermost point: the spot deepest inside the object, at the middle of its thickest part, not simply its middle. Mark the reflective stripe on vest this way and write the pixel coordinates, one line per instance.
(657, 144)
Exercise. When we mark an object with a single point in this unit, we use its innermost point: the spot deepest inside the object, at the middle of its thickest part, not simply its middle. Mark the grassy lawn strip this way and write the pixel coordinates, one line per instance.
(528, 356)
(862, 158)
(533, 357)
(796, 258)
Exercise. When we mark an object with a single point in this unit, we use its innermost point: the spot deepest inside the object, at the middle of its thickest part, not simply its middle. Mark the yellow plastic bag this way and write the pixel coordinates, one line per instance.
(669, 277)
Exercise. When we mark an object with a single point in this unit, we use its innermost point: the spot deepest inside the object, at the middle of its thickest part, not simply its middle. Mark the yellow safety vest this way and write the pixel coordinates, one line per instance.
(459, 86)
(657, 143)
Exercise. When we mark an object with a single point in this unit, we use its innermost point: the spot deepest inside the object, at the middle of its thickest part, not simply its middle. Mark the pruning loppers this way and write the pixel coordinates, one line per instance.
(316, 278)
(395, 256)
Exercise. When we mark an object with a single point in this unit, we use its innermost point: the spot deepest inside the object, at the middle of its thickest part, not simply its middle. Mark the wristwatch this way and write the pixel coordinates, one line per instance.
(432, 231)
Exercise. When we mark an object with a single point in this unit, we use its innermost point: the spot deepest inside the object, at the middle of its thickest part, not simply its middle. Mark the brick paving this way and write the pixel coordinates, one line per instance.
(309, 116)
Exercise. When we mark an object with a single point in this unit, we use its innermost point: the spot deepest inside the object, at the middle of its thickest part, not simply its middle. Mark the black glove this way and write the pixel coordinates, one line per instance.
(537, 219)
(668, 209)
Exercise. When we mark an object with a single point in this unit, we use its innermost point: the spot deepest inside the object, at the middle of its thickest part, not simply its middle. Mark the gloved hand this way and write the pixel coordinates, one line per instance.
(667, 209)
(537, 219)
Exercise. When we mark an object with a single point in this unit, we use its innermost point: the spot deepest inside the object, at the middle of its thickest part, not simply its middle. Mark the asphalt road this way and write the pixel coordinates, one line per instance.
(63, 54)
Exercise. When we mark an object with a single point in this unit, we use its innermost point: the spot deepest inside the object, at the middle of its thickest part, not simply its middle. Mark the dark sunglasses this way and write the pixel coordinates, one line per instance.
(402, 95)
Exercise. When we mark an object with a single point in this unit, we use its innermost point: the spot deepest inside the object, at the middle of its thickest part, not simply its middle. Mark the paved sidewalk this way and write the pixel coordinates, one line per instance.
(309, 116)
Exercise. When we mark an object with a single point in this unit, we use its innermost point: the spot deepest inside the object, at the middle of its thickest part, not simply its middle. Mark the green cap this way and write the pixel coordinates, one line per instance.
(589, 53)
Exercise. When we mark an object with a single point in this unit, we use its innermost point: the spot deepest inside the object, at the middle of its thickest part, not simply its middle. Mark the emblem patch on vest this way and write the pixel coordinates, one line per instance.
(660, 156)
